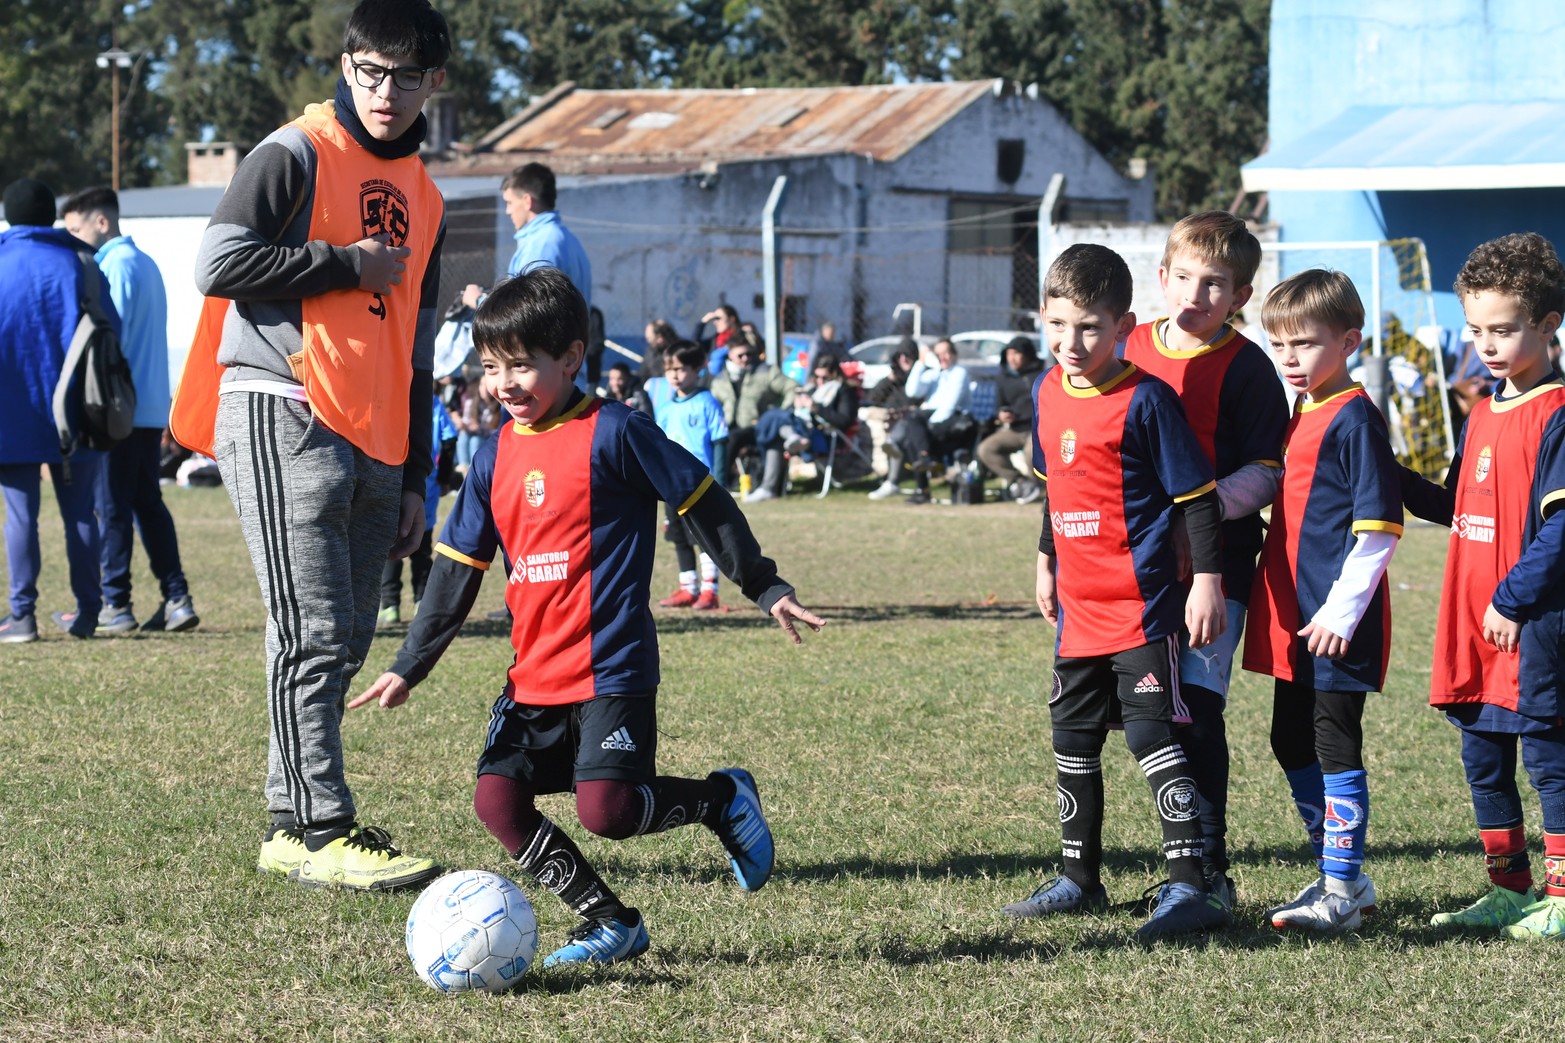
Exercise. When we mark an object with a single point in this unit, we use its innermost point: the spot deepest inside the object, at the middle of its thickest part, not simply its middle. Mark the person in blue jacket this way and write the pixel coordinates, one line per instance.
(40, 281)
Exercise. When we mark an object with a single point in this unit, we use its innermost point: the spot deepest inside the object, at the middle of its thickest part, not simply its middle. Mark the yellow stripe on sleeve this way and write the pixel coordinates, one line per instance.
(690, 501)
(456, 555)
(1208, 487)
(1394, 528)
(1553, 499)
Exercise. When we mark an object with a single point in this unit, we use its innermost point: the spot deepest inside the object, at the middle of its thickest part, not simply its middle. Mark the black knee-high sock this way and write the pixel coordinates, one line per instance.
(1174, 793)
(557, 864)
(1205, 742)
(1078, 761)
(621, 810)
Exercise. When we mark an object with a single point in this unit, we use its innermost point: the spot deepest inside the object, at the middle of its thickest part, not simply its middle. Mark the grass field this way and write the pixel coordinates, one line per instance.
(903, 760)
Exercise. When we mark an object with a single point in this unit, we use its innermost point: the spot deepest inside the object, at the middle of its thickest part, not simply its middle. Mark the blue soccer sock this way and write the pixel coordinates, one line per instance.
(1309, 798)
(1344, 824)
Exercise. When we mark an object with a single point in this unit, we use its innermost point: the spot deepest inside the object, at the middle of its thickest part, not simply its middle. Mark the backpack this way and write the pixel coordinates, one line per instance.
(95, 399)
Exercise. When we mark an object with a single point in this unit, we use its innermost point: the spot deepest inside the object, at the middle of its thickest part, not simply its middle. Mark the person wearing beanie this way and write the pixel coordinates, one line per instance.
(40, 285)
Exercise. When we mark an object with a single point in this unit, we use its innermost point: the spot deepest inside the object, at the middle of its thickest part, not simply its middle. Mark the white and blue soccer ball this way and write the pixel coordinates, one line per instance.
(472, 931)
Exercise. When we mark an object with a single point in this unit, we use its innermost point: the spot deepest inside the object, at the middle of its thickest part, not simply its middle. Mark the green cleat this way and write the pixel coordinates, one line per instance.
(364, 860)
(1500, 908)
(282, 852)
(1545, 920)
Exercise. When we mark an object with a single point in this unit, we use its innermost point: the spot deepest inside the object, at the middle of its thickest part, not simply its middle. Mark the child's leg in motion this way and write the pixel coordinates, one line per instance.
(610, 932)
(684, 553)
(1489, 759)
(708, 576)
(506, 808)
(1543, 754)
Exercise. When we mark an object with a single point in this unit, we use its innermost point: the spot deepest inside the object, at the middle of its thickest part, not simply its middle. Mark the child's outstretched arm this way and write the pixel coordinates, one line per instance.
(448, 597)
(721, 529)
(1424, 499)
(1206, 613)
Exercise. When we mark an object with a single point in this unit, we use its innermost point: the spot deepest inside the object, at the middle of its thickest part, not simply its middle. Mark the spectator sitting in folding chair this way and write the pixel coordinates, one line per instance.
(1013, 432)
(826, 407)
(942, 424)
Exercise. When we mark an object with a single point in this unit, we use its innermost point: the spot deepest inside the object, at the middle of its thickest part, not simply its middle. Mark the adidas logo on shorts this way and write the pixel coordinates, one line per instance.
(620, 740)
(1147, 685)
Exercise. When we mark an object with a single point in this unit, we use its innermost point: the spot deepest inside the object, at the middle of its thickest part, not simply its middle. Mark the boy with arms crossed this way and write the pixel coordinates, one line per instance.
(1238, 411)
(1119, 462)
(568, 490)
(1499, 664)
(1321, 612)
(309, 383)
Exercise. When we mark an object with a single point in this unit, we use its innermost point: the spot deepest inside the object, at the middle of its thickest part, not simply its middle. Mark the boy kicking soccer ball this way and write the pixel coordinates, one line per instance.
(1118, 461)
(1320, 610)
(1498, 655)
(568, 490)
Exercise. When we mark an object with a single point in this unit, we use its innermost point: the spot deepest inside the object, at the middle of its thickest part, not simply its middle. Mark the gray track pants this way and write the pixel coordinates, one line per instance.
(319, 518)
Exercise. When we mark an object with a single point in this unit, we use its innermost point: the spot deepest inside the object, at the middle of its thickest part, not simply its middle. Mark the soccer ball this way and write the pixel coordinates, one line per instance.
(472, 930)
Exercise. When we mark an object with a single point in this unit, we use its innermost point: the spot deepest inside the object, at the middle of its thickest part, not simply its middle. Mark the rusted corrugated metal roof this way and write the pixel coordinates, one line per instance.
(585, 131)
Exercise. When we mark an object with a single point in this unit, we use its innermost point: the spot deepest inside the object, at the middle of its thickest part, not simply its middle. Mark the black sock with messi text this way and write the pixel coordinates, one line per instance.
(554, 861)
(1162, 761)
(1078, 764)
(1205, 742)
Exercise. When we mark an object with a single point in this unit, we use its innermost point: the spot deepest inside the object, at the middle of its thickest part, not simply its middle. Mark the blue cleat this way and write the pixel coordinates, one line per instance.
(603, 941)
(1182, 909)
(1059, 895)
(744, 832)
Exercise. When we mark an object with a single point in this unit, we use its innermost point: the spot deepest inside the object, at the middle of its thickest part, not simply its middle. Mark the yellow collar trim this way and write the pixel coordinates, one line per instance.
(1552, 384)
(549, 425)
(1306, 405)
(1222, 341)
(1098, 389)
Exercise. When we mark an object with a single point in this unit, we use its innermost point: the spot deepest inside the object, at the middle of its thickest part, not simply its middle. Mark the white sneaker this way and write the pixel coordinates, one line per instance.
(885, 490)
(759, 494)
(1327, 904)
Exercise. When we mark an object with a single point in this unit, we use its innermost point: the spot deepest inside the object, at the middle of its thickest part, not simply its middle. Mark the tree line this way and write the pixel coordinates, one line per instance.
(1179, 83)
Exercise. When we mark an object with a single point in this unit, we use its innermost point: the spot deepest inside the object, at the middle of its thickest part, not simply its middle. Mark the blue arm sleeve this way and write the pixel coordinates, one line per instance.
(1535, 575)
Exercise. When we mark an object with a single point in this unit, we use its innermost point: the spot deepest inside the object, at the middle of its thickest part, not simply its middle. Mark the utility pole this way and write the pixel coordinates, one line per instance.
(114, 60)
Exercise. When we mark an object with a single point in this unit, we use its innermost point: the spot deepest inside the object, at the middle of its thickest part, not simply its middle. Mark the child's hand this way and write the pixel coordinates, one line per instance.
(1502, 633)
(1048, 598)
(1323, 642)
(1206, 613)
(389, 688)
(380, 264)
(787, 610)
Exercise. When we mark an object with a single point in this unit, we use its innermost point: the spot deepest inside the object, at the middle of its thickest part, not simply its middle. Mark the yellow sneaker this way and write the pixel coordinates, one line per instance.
(364, 860)
(1498, 909)
(282, 852)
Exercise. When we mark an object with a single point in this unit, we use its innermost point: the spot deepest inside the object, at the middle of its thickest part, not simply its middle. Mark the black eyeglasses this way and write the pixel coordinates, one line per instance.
(407, 78)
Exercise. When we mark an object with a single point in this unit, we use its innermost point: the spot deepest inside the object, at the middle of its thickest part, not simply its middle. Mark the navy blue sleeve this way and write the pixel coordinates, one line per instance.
(658, 466)
(1254, 408)
(1537, 574)
(1040, 458)
(1170, 444)
(1366, 458)
(469, 536)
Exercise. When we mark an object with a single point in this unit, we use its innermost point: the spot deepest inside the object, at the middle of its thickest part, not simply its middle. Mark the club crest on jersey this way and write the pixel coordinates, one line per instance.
(532, 488)
(383, 210)
(1068, 446)
(1484, 465)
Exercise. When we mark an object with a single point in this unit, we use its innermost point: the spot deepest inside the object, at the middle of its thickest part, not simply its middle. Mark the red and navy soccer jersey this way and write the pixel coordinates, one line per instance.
(1341, 479)
(1117, 458)
(1511, 479)
(573, 504)
(1237, 408)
